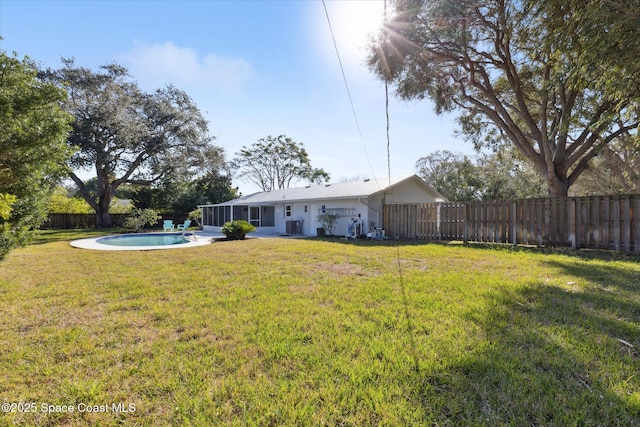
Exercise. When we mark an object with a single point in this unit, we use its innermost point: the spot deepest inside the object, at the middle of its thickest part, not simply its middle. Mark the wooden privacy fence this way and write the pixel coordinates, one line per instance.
(596, 222)
(67, 221)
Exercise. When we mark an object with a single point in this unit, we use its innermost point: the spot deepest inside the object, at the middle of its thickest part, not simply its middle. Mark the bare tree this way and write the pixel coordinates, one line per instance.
(273, 163)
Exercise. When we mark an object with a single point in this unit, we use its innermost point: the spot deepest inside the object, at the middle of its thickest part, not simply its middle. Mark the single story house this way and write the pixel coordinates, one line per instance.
(357, 205)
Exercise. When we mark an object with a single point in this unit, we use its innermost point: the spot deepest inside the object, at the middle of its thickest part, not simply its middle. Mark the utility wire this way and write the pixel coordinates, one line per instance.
(346, 85)
(386, 110)
(405, 301)
(386, 106)
(403, 290)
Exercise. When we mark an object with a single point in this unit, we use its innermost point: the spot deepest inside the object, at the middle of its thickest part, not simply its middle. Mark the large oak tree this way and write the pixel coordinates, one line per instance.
(540, 75)
(128, 136)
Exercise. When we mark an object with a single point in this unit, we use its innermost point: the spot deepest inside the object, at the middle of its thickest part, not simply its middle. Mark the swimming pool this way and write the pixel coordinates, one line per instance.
(147, 239)
(141, 242)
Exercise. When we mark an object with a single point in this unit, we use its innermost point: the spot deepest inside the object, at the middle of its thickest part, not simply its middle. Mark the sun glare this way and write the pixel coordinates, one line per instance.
(354, 22)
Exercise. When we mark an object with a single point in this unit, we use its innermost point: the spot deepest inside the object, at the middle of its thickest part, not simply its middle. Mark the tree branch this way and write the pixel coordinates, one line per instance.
(83, 190)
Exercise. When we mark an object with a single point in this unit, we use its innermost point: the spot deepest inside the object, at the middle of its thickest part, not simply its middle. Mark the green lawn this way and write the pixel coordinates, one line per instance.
(312, 332)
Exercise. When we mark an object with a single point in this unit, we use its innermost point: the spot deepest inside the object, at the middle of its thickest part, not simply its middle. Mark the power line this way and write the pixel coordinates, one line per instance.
(386, 107)
(346, 85)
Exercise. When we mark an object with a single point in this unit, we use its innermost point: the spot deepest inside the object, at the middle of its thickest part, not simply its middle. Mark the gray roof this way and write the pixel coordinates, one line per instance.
(342, 190)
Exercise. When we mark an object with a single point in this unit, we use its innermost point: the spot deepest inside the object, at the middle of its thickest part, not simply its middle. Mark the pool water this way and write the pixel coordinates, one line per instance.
(150, 239)
(142, 241)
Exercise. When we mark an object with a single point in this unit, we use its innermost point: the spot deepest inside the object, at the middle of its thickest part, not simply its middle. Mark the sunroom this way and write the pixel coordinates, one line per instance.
(258, 216)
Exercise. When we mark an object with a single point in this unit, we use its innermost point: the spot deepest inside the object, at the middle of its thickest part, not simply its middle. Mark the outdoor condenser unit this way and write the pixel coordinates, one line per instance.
(294, 227)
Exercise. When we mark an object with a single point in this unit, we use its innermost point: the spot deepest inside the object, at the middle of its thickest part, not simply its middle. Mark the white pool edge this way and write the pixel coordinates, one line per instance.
(91, 243)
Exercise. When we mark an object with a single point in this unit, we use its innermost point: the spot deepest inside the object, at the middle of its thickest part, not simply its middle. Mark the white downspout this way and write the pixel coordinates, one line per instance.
(375, 210)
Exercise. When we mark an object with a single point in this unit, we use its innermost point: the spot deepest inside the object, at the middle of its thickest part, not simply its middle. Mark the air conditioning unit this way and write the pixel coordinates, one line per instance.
(294, 227)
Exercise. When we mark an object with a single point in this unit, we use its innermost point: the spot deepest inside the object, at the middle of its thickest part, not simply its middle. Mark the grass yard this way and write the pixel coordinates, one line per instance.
(312, 332)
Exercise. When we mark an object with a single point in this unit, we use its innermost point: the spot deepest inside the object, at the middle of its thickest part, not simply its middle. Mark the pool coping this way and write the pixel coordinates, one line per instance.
(91, 243)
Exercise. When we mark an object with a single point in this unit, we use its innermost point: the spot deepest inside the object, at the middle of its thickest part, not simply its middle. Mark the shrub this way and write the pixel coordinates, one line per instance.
(196, 215)
(237, 229)
(328, 222)
(140, 218)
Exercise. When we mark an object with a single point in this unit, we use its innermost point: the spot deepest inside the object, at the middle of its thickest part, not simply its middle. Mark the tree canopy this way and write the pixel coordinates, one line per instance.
(33, 152)
(603, 34)
(60, 202)
(183, 195)
(128, 136)
(461, 177)
(453, 175)
(616, 170)
(273, 163)
(541, 76)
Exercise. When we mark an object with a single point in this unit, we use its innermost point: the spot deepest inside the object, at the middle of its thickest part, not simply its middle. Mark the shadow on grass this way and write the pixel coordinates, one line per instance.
(50, 236)
(372, 242)
(603, 275)
(550, 356)
(499, 247)
(586, 254)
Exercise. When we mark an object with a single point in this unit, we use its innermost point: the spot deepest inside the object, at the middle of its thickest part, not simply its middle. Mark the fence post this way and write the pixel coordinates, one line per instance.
(626, 223)
(571, 219)
(616, 223)
(513, 224)
(465, 225)
(438, 234)
(636, 221)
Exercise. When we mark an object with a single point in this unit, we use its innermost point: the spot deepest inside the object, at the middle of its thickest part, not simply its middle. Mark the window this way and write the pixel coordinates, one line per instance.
(207, 215)
(216, 215)
(288, 211)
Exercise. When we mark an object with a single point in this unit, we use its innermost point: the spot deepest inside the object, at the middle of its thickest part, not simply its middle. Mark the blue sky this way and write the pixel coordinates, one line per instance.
(254, 68)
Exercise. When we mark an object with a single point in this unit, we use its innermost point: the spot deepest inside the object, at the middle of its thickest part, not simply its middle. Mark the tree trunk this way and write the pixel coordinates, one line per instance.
(558, 185)
(558, 188)
(103, 219)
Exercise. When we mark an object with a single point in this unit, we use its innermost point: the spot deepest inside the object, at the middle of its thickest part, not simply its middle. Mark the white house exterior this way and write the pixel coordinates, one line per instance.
(296, 210)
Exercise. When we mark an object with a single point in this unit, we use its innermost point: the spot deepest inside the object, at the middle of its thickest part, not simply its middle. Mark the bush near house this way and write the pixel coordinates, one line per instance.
(328, 223)
(236, 229)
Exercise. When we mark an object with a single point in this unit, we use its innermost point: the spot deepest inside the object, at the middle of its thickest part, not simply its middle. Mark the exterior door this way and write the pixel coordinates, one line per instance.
(254, 216)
